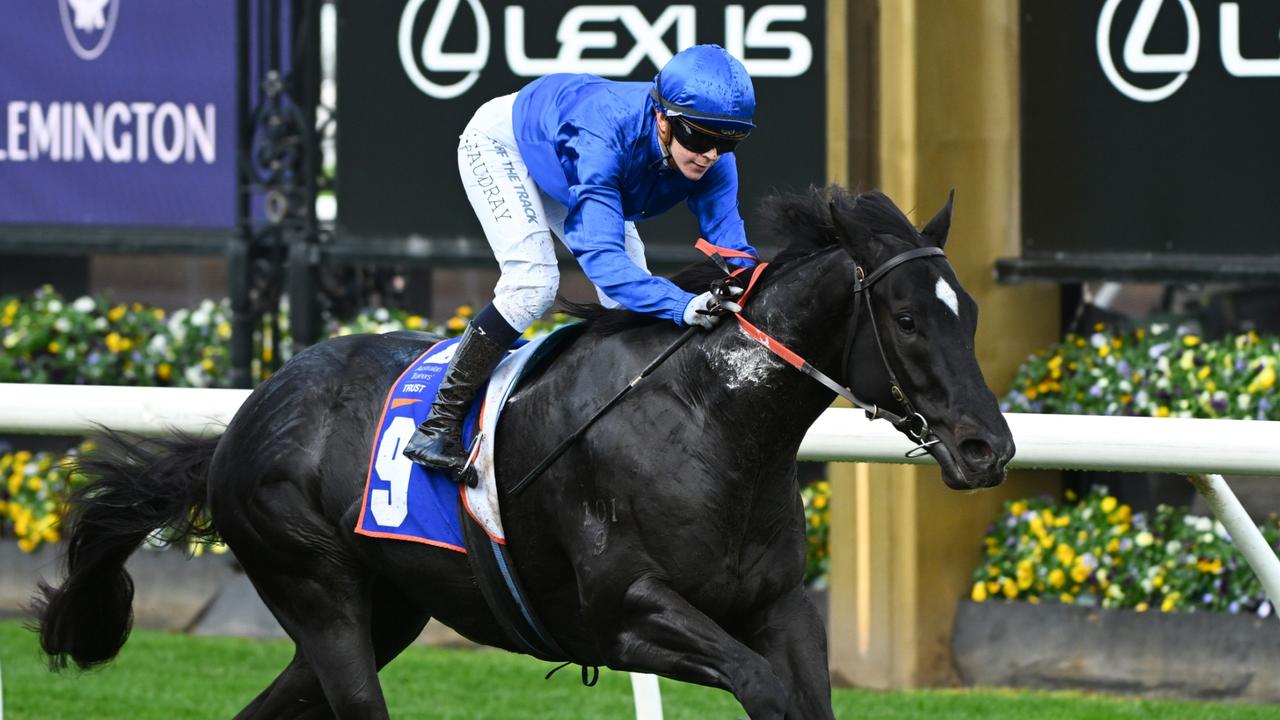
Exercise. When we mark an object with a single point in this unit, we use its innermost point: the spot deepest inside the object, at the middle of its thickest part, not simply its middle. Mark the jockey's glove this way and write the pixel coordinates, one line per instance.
(706, 309)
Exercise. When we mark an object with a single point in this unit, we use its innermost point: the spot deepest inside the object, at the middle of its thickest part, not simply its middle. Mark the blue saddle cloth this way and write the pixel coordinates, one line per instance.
(402, 499)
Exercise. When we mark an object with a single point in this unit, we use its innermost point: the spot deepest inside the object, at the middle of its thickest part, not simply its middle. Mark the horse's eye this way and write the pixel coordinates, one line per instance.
(906, 324)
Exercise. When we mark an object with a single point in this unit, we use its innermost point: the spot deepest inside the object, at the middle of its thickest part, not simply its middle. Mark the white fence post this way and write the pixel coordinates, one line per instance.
(1244, 533)
(647, 694)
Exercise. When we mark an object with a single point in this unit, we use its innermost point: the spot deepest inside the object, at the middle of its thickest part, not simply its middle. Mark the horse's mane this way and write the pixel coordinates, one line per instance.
(802, 219)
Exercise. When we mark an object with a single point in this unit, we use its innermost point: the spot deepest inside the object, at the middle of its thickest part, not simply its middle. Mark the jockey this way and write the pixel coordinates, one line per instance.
(586, 158)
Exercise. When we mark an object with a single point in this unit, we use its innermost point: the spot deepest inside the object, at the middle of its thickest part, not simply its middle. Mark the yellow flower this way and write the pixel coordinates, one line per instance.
(113, 342)
(465, 311)
(115, 313)
(993, 586)
(1070, 495)
(1025, 574)
(26, 544)
(1057, 578)
(1170, 601)
(1079, 573)
(1066, 554)
(1062, 521)
(1009, 588)
(207, 365)
(414, 322)
(1191, 340)
(1114, 545)
(456, 324)
(1265, 379)
(1162, 411)
(54, 347)
(1108, 504)
(820, 501)
(1066, 598)
(164, 371)
(1017, 508)
(158, 314)
(34, 483)
(1082, 536)
(979, 592)
(993, 571)
(1213, 566)
(1142, 607)
(224, 330)
(1104, 350)
(1204, 372)
(1121, 516)
(1158, 581)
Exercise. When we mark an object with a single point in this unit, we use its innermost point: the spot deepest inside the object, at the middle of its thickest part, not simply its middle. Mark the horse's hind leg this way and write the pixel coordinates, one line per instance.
(297, 692)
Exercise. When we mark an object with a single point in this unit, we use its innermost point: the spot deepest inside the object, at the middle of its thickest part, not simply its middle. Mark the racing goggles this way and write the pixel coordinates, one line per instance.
(700, 139)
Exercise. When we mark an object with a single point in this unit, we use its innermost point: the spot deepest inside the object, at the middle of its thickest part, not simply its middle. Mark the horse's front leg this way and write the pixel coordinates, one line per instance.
(655, 629)
(789, 633)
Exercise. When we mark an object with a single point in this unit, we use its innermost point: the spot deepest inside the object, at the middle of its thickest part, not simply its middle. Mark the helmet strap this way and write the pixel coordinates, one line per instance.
(664, 141)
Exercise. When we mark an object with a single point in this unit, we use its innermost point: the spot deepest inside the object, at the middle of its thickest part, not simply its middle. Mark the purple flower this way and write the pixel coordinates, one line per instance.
(1234, 607)
(1264, 610)
(1219, 404)
(1095, 391)
(1207, 598)
(1123, 368)
(1240, 364)
(93, 358)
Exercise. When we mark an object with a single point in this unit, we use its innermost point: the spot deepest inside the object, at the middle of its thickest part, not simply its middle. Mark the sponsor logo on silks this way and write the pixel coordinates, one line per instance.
(580, 33)
(413, 387)
(89, 25)
(1140, 62)
(441, 357)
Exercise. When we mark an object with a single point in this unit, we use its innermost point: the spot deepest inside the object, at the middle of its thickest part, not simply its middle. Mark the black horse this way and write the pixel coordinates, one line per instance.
(693, 573)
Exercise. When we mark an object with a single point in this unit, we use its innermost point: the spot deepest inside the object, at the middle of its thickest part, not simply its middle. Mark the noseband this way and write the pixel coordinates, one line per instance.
(911, 423)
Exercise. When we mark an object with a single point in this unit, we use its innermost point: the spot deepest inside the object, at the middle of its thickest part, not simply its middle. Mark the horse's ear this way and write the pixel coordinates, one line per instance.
(937, 229)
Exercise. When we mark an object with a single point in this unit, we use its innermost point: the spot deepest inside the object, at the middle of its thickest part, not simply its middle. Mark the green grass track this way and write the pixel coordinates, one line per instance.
(162, 676)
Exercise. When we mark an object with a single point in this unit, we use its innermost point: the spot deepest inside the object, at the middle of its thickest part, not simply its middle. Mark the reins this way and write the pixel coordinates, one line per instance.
(911, 422)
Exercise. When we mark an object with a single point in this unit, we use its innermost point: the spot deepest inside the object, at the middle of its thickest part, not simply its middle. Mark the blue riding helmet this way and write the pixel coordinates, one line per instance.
(708, 85)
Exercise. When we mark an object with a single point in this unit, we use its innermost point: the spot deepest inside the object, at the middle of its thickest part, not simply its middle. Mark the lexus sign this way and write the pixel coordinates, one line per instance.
(412, 72)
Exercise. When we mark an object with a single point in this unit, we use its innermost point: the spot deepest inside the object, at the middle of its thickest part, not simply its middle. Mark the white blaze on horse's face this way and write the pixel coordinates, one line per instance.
(947, 295)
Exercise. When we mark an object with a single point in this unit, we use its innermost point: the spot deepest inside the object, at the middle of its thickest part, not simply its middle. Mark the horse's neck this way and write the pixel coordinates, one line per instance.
(804, 310)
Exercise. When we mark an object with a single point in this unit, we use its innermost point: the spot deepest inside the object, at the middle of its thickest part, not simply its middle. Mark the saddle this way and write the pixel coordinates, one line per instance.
(405, 501)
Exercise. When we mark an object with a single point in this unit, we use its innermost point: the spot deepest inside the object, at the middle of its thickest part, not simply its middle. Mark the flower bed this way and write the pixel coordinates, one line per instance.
(1096, 551)
(1161, 371)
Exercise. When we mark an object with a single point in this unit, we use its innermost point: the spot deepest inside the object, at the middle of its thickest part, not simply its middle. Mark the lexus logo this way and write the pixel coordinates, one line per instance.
(1139, 61)
(433, 57)
(634, 38)
(88, 25)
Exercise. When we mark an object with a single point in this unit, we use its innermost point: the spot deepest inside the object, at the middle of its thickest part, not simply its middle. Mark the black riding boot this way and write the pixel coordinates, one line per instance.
(437, 442)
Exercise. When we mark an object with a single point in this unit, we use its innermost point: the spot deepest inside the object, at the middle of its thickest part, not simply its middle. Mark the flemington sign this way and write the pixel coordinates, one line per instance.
(1149, 139)
(411, 73)
(119, 113)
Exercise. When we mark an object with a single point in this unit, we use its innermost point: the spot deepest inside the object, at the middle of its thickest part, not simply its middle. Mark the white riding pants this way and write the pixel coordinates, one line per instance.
(517, 217)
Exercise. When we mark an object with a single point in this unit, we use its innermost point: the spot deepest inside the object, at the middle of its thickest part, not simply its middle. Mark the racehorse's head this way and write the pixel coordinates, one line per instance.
(917, 324)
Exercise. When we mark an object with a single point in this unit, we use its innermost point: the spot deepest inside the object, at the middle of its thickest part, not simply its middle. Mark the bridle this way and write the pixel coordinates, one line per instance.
(912, 423)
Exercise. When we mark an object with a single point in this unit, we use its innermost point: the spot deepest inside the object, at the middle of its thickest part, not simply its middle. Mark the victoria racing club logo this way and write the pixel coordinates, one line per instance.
(1138, 61)
(576, 38)
(89, 25)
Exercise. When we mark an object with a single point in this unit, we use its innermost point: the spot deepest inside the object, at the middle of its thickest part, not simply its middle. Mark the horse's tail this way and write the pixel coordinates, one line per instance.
(136, 487)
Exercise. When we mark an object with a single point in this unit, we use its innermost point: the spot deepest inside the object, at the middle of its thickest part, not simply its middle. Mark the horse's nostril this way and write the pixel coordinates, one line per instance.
(977, 452)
